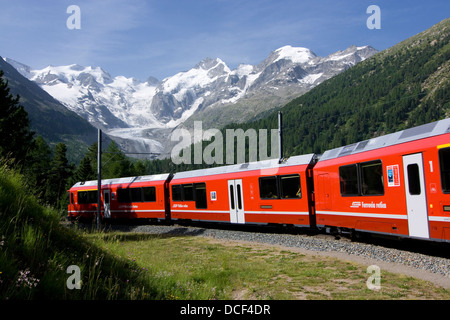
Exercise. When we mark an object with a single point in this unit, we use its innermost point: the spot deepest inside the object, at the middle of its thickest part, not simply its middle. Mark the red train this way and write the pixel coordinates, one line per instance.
(397, 184)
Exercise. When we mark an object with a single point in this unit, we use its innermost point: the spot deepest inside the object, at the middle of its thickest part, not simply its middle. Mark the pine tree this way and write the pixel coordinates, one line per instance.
(15, 137)
(115, 164)
(59, 174)
(37, 167)
(140, 168)
(85, 171)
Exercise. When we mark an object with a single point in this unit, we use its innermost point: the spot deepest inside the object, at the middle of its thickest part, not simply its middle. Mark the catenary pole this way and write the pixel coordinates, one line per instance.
(280, 136)
(99, 177)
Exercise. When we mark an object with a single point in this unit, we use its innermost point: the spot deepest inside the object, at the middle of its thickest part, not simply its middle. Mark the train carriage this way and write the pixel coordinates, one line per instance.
(133, 197)
(259, 192)
(398, 184)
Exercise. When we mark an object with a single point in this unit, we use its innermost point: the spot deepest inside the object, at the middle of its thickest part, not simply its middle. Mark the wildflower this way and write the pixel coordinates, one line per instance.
(26, 280)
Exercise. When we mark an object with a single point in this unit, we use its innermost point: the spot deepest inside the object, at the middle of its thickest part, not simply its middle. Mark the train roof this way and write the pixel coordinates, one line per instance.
(127, 180)
(407, 135)
(258, 165)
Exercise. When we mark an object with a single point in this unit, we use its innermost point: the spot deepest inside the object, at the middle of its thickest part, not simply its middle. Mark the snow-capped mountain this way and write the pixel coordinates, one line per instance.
(129, 109)
(91, 92)
(241, 94)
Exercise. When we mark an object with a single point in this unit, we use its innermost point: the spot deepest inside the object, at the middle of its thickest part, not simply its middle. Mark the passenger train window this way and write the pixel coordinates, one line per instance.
(200, 195)
(183, 192)
(268, 188)
(85, 197)
(348, 177)
(149, 194)
(106, 197)
(372, 178)
(136, 194)
(232, 196)
(188, 192)
(145, 194)
(191, 192)
(362, 179)
(413, 179)
(290, 187)
(123, 195)
(82, 197)
(280, 187)
(238, 190)
(444, 161)
(176, 193)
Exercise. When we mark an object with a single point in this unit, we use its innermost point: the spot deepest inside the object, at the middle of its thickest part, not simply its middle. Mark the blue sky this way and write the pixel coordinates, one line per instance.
(142, 38)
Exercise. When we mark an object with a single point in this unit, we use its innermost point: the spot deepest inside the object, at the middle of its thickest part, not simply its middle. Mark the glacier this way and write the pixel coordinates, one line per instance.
(140, 115)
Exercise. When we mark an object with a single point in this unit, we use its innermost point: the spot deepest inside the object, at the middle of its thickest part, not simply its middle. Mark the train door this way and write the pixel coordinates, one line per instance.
(106, 204)
(236, 203)
(416, 201)
(324, 194)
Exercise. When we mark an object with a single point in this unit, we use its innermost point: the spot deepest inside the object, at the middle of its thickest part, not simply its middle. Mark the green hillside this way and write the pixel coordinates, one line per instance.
(49, 118)
(403, 86)
(36, 252)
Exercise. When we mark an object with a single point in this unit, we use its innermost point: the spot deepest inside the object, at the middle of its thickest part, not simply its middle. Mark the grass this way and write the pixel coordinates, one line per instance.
(202, 268)
(36, 252)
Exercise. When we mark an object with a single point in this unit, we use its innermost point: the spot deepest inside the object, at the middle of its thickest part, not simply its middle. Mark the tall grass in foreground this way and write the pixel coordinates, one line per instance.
(35, 252)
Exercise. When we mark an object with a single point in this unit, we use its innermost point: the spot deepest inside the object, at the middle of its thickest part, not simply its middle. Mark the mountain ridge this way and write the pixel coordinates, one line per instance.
(130, 109)
(403, 86)
(48, 117)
